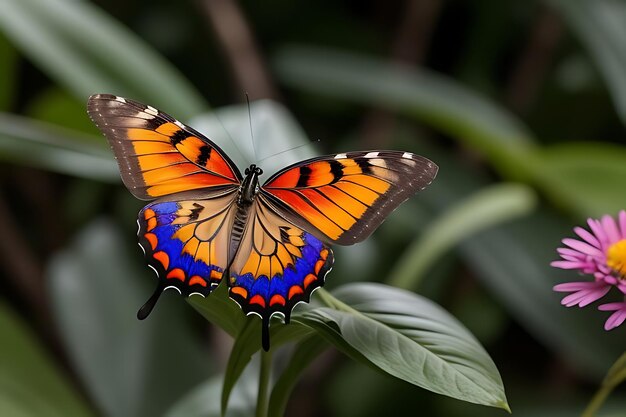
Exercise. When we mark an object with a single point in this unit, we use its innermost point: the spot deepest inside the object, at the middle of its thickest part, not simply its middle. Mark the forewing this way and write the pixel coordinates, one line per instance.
(343, 198)
(277, 266)
(158, 155)
(186, 242)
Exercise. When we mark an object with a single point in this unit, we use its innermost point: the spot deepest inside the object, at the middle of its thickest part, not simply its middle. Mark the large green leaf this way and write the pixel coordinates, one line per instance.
(130, 367)
(30, 384)
(601, 27)
(45, 146)
(485, 208)
(88, 52)
(413, 339)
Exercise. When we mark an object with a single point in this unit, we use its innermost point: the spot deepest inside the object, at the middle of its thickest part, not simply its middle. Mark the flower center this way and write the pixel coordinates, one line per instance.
(616, 257)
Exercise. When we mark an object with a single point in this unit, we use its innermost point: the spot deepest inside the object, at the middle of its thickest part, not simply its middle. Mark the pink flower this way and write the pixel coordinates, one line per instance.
(600, 252)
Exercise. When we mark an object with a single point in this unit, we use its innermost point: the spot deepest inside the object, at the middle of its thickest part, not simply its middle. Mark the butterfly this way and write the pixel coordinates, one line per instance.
(207, 222)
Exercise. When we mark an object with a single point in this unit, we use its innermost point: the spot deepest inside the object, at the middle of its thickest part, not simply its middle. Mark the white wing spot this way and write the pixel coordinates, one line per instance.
(371, 155)
(151, 110)
(120, 99)
(341, 156)
(179, 124)
(407, 155)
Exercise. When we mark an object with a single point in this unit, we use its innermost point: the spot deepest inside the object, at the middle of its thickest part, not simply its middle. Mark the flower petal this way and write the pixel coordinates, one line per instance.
(609, 225)
(588, 237)
(582, 247)
(615, 320)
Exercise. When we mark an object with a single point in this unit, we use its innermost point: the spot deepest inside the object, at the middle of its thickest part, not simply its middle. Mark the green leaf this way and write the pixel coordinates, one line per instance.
(131, 367)
(434, 99)
(220, 310)
(88, 52)
(583, 177)
(204, 400)
(601, 27)
(248, 342)
(413, 339)
(485, 208)
(306, 351)
(41, 145)
(30, 384)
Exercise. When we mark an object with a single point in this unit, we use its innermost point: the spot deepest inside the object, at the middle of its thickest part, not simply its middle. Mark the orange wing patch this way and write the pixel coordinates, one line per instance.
(345, 197)
(158, 155)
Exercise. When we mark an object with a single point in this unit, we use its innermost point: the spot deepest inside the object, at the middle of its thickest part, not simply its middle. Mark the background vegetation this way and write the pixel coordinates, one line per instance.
(522, 104)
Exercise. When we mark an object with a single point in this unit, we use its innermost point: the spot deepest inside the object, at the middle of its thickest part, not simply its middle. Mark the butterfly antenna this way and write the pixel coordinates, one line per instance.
(302, 145)
(250, 122)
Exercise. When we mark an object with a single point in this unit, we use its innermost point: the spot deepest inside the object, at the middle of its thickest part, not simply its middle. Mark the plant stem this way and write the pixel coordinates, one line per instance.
(615, 376)
(264, 380)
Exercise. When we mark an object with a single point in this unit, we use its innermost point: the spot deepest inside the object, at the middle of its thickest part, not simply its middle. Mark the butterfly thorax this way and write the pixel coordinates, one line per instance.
(250, 186)
(247, 192)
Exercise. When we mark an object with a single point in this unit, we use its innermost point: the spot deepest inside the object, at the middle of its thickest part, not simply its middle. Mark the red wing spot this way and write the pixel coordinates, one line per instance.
(257, 299)
(152, 223)
(318, 266)
(176, 273)
(216, 275)
(163, 258)
(295, 290)
(148, 213)
(277, 299)
(324, 254)
(240, 291)
(197, 280)
(151, 237)
(309, 279)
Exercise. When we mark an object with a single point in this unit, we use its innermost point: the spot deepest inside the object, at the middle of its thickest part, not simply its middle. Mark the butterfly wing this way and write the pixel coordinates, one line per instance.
(277, 266)
(343, 198)
(158, 155)
(186, 242)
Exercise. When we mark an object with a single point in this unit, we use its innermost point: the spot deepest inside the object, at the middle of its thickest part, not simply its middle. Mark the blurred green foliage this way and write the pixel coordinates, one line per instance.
(521, 104)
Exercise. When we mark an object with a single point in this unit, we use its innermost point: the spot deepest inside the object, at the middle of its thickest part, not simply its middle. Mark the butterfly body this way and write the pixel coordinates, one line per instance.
(208, 223)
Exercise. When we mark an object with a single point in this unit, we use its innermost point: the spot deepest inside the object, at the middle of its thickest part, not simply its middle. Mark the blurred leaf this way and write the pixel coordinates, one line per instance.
(88, 52)
(46, 146)
(30, 385)
(601, 27)
(8, 67)
(583, 177)
(305, 352)
(450, 107)
(57, 106)
(278, 138)
(413, 339)
(239, 358)
(204, 400)
(131, 368)
(485, 208)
